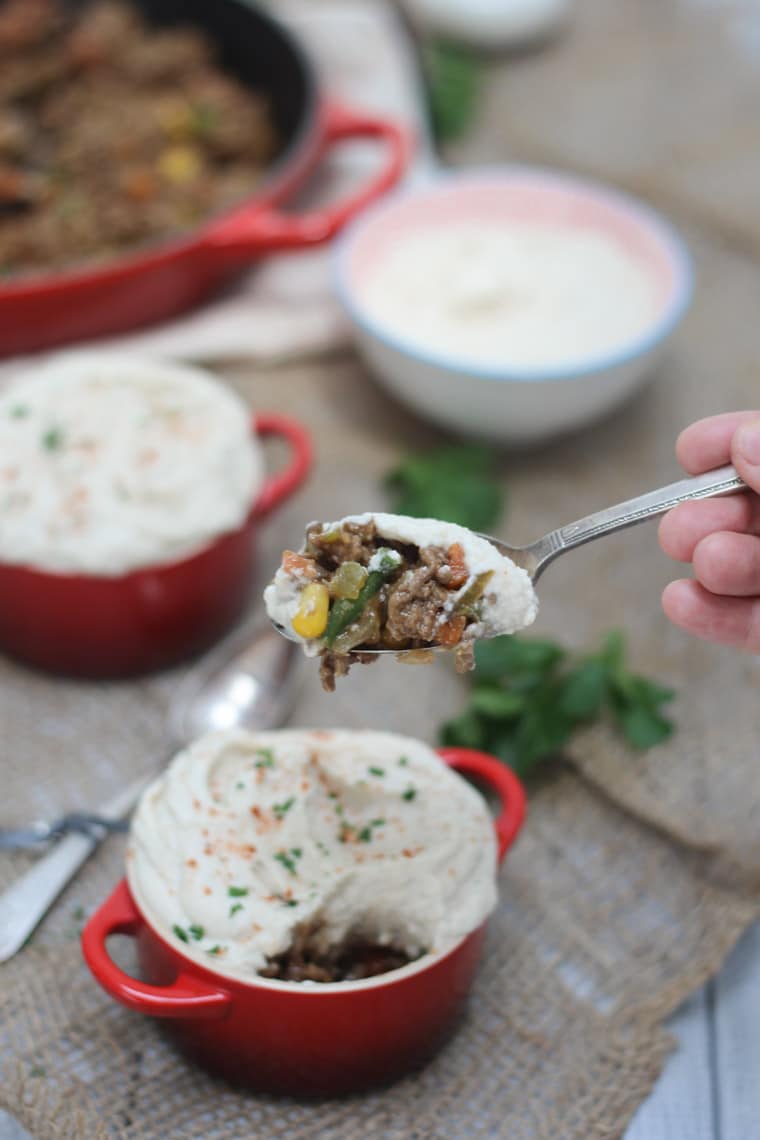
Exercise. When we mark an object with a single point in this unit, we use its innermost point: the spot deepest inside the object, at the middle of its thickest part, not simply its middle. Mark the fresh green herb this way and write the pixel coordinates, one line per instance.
(365, 835)
(266, 758)
(196, 932)
(404, 761)
(53, 439)
(323, 847)
(378, 823)
(453, 483)
(240, 785)
(237, 892)
(234, 909)
(376, 771)
(453, 85)
(409, 794)
(19, 412)
(215, 949)
(181, 934)
(288, 860)
(205, 117)
(282, 809)
(528, 697)
(345, 611)
(290, 902)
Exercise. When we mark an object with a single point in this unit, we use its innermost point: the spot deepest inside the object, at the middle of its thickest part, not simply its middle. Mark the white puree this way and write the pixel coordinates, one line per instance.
(107, 465)
(523, 295)
(509, 603)
(248, 835)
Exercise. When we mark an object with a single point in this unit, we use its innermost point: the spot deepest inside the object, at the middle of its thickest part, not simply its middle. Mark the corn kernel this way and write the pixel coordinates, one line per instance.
(180, 164)
(311, 617)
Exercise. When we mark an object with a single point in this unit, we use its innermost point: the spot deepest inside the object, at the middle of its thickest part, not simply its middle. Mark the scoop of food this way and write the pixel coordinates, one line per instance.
(376, 582)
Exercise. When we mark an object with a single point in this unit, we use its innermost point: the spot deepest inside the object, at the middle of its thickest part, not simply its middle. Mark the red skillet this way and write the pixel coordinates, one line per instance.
(159, 281)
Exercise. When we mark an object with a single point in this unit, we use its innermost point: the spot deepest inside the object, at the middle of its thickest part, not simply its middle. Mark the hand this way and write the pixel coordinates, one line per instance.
(720, 537)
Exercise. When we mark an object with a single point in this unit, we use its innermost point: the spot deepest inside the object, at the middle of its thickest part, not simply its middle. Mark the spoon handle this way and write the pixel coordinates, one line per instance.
(721, 481)
(28, 899)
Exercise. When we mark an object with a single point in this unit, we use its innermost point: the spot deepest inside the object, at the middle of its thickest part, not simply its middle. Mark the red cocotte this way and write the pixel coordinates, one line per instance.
(303, 1039)
(92, 626)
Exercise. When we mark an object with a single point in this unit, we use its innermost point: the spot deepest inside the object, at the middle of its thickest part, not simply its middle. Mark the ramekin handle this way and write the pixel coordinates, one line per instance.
(282, 484)
(502, 781)
(187, 996)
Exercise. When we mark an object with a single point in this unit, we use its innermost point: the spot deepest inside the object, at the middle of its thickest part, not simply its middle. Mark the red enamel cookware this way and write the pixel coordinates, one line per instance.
(158, 281)
(153, 617)
(303, 1039)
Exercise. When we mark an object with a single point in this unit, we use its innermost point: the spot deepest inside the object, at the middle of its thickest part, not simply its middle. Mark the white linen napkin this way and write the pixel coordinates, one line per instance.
(283, 306)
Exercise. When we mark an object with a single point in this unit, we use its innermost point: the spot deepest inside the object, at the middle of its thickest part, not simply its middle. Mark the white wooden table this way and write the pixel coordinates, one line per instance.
(710, 1089)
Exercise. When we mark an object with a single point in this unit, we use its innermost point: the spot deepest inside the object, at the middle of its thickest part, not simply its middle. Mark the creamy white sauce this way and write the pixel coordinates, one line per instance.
(109, 464)
(518, 295)
(248, 835)
(508, 604)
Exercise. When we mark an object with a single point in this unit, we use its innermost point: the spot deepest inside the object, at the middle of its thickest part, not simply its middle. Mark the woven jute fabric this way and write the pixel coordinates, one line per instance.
(635, 874)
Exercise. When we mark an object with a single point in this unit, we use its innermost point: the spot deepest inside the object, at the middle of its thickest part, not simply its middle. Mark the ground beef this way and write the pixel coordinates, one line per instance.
(114, 133)
(356, 959)
(418, 601)
(356, 544)
(334, 665)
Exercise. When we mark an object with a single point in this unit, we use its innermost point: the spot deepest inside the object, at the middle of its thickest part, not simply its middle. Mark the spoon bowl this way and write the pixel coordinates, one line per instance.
(535, 557)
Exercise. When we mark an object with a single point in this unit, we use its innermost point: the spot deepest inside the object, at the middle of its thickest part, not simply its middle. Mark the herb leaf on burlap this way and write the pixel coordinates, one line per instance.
(529, 696)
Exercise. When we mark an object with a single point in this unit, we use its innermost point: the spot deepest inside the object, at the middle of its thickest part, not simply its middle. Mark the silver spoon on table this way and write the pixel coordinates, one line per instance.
(536, 557)
(246, 682)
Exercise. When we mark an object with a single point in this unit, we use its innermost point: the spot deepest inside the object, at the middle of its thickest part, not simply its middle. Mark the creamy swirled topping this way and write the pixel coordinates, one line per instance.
(249, 837)
(109, 464)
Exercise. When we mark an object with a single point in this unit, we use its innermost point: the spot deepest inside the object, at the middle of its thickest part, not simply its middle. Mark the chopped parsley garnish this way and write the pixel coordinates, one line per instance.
(290, 902)
(266, 758)
(365, 835)
(282, 809)
(196, 932)
(403, 761)
(378, 822)
(52, 440)
(288, 860)
(19, 412)
(240, 785)
(237, 892)
(234, 909)
(409, 794)
(376, 771)
(181, 934)
(215, 949)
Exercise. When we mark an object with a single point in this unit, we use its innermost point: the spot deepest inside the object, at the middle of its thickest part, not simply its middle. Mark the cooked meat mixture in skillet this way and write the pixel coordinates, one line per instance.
(113, 134)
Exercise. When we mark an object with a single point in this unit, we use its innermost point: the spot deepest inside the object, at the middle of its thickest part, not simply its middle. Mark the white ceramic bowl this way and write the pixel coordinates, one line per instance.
(512, 404)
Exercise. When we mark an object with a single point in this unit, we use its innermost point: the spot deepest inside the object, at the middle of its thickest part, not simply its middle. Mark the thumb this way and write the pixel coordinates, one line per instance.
(745, 452)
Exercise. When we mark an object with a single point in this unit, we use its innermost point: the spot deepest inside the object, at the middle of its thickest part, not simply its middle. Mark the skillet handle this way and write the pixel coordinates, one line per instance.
(499, 779)
(189, 995)
(249, 233)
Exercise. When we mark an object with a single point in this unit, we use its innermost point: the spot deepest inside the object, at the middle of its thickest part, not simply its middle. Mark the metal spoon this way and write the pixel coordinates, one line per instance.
(246, 682)
(537, 556)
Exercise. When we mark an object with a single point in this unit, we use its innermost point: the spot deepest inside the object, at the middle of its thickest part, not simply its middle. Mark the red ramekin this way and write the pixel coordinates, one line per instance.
(303, 1039)
(102, 627)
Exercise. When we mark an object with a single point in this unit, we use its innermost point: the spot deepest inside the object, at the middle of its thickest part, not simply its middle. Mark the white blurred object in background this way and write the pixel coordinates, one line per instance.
(489, 23)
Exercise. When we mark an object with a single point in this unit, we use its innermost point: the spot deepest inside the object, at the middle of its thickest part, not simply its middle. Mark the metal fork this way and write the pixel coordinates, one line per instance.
(40, 832)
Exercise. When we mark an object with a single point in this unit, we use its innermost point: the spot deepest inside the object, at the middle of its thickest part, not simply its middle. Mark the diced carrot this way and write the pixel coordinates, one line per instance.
(459, 571)
(449, 633)
(298, 565)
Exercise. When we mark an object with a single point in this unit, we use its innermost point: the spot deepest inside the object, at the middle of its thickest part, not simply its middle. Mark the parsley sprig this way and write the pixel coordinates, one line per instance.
(529, 696)
(455, 483)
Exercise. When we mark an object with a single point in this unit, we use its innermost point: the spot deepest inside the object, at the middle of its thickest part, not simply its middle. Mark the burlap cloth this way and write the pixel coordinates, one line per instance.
(635, 874)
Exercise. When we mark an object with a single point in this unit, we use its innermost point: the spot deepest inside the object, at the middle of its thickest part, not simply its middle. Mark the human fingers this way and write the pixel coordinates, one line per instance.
(687, 524)
(729, 564)
(706, 443)
(727, 621)
(745, 451)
